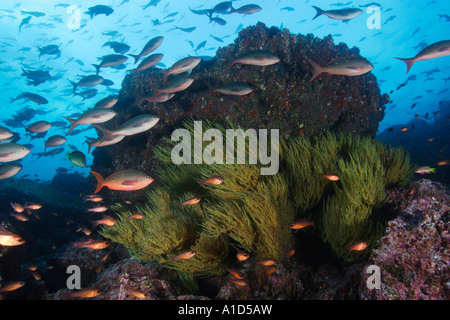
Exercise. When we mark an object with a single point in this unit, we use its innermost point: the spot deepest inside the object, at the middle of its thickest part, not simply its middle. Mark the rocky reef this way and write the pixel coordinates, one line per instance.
(282, 97)
(412, 255)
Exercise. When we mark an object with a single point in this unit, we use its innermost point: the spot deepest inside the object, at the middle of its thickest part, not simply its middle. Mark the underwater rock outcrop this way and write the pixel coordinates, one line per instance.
(282, 97)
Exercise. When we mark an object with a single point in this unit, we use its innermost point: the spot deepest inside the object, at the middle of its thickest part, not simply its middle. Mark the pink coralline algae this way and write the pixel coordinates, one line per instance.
(414, 254)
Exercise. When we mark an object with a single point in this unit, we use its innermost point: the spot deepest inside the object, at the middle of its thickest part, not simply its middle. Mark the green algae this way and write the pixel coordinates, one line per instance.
(252, 212)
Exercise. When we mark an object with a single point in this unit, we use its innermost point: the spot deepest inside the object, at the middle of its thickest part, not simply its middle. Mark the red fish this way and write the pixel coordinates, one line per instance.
(347, 66)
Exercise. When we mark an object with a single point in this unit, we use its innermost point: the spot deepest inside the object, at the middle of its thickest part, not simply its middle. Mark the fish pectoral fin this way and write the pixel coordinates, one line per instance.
(443, 49)
(354, 68)
(137, 125)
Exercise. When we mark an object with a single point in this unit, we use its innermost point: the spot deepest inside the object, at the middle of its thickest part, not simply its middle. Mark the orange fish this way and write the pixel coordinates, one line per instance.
(404, 129)
(267, 262)
(31, 267)
(11, 286)
(331, 177)
(137, 216)
(137, 293)
(242, 256)
(85, 293)
(359, 246)
(443, 162)
(290, 252)
(270, 270)
(240, 283)
(127, 180)
(237, 274)
(299, 224)
(106, 220)
(92, 244)
(191, 201)
(92, 198)
(185, 255)
(97, 209)
(19, 216)
(86, 231)
(10, 239)
(215, 180)
(36, 276)
(17, 207)
(33, 206)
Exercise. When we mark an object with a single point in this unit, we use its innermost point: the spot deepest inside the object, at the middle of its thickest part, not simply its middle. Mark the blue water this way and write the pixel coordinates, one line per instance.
(406, 27)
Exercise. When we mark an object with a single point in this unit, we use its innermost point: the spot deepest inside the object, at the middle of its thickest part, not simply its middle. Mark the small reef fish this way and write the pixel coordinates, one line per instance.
(107, 102)
(91, 116)
(97, 209)
(84, 293)
(237, 274)
(425, 169)
(137, 293)
(270, 270)
(191, 201)
(54, 141)
(32, 97)
(17, 207)
(256, 58)
(12, 151)
(39, 126)
(301, 224)
(246, 9)
(183, 65)
(5, 133)
(110, 60)
(266, 262)
(106, 220)
(10, 239)
(435, 50)
(214, 180)
(242, 256)
(148, 62)
(93, 142)
(99, 9)
(127, 180)
(331, 177)
(11, 286)
(92, 244)
(443, 162)
(236, 88)
(359, 246)
(346, 66)
(185, 255)
(177, 84)
(87, 81)
(77, 158)
(7, 170)
(133, 126)
(33, 206)
(240, 283)
(340, 14)
(137, 216)
(92, 198)
(151, 46)
(19, 216)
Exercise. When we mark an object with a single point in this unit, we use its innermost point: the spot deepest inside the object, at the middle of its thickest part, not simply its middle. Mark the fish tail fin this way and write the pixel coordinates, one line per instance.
(136, 57)
(165, 73)
(106, 132)
(319, 12)
(97, 68)
(100, 181)
(317, 69)
(73, 124)
(74, 86)
(433, 170)
(132, 70)
(409, 63)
